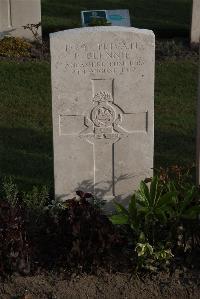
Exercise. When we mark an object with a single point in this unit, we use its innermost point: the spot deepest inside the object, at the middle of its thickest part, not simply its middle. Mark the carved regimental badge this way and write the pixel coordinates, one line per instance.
(103, 119)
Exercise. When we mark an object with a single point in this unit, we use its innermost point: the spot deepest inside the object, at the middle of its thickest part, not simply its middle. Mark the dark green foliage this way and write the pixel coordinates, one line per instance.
(163, 217)
(148, 207)
(14, 248)
(178, 180)
(73, 233)
(186, 205)
(160, 224)
(93, 236)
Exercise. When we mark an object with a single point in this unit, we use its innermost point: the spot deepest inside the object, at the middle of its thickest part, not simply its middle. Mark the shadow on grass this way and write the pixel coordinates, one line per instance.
(173, 148)
(26, 155)
(170, 32)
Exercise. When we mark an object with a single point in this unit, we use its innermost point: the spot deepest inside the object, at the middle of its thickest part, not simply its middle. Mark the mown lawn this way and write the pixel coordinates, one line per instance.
(25, 122)
(26, 125)
(175, 112)
(25, 92)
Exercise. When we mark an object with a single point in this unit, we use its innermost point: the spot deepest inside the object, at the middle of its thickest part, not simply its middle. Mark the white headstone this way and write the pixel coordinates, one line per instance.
(14, 14)
(103, 110)
(195, 28)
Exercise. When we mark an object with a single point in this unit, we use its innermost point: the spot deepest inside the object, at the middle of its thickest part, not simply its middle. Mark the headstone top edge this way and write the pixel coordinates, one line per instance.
(101, 29)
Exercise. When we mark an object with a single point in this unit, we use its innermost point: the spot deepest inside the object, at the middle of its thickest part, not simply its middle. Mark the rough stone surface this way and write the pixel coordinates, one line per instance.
(103, 110)
(14, 14)
(195, 28)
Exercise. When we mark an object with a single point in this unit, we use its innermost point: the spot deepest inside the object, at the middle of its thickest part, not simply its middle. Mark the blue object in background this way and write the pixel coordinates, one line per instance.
(88, 15)
(116, 17)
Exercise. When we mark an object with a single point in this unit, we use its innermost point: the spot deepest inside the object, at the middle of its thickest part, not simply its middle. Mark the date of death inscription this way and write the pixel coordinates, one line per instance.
(105, 58)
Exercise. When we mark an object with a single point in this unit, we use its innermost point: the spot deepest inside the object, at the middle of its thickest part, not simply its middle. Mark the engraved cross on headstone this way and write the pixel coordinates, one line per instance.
(105, 123)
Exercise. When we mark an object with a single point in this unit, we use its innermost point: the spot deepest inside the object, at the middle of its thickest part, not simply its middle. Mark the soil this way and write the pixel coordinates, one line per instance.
(179, 284)
(103, 285)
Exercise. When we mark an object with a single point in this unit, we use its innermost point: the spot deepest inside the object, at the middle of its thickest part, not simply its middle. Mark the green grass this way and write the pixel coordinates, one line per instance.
(166, 17)
(26, 125)
(25, 122)
(25, 92)
(175, 112)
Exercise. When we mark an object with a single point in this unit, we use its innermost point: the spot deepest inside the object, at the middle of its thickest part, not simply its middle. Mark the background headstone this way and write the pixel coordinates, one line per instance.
(103, 110)
(117, 17)
(195, 27)
(14, 14)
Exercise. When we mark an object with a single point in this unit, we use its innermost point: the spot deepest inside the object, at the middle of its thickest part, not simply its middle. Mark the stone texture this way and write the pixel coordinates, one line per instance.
(195, 27)
(103, 110)
(14, 14)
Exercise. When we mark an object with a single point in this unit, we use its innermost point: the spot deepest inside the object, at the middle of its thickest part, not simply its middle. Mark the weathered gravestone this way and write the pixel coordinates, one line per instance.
(195, 27)
(14, 14)
(103, 109)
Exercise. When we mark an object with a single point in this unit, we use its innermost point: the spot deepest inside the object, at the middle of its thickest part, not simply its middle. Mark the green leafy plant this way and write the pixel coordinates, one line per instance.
(158, 217)
(10, 191)
(185, 219)
(187, 206)
(153, 203)
(147, 207)
(185, 224)
(37, 199)
(151, 257)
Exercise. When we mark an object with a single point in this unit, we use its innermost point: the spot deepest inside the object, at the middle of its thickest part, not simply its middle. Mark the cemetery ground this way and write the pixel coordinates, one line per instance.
(64, 268)
(26, 155)
(26, 124)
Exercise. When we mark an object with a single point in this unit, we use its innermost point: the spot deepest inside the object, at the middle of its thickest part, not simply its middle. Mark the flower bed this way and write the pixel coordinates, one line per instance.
(158, 231)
